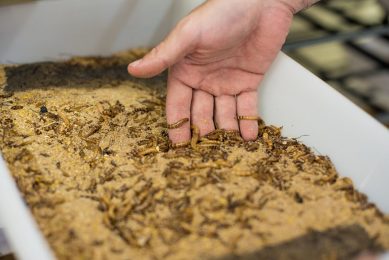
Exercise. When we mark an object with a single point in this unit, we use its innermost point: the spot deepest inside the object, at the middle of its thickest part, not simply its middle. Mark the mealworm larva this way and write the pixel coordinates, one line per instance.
(207, 141)
(254, 118)
(180, 145)
(223, 163)
(231, 131)
(177, 124)
(106, 220)
(151, 150)
(206, 165)
(208, 145)
(195, 136)
(64, 119)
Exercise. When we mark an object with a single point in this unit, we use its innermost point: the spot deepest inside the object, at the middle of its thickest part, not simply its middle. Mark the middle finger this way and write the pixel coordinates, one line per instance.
(202, 111)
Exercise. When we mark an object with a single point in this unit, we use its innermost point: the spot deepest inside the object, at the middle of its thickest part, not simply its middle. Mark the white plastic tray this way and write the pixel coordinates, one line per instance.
(290, 95)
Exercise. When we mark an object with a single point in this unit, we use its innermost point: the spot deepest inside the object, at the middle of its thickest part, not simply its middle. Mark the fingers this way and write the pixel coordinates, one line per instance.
(225, 113)
(247, 103)
(202, 111)
(178, 103)
(178, 44)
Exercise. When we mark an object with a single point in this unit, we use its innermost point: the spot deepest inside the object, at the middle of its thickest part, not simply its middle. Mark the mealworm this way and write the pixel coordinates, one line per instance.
(151, 150)
(177, 124)
(195, 136)
(180, 145)
(231, 131)
(207, 141)
(254, 118)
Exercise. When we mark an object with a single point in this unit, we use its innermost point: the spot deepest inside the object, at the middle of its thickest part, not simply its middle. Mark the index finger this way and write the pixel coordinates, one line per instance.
(178, 103)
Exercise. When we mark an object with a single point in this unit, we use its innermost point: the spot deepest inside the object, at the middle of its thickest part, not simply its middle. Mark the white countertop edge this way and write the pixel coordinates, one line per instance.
(22, 232)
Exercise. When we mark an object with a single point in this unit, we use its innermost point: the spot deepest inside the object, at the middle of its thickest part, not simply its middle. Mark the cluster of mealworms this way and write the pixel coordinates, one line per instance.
(196, 133)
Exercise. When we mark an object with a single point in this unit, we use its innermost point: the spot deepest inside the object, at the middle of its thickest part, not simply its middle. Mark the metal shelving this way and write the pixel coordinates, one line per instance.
(350, 39)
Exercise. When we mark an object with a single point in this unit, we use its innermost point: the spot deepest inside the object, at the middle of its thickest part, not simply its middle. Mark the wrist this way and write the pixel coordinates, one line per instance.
(298, 5)
(308, 3)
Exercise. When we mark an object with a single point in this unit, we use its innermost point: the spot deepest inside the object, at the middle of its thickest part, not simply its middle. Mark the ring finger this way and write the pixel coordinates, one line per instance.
(225, 113)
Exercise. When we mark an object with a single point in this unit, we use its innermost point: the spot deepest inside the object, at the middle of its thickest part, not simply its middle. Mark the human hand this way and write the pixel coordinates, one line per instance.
(217, 56)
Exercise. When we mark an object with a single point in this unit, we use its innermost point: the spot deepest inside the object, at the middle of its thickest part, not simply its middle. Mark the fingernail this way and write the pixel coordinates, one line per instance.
(135, 63)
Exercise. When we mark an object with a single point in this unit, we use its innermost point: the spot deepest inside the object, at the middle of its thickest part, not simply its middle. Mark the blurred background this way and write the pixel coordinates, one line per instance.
(346, 43)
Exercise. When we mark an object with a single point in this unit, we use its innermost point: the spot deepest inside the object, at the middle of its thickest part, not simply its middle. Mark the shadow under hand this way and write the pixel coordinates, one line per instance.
(337, 243)
(94, 72)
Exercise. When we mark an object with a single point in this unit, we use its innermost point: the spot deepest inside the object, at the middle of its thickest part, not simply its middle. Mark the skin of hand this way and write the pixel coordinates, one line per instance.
(217, 57)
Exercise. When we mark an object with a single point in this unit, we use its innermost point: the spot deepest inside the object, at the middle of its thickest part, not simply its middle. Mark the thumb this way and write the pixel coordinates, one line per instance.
(175, 47)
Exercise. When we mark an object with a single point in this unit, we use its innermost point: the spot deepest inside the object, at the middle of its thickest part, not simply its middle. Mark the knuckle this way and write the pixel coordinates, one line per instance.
(157, 54)
(185, 25)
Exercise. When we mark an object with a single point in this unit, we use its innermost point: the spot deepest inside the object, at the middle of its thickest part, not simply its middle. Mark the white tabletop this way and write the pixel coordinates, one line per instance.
(4, 248)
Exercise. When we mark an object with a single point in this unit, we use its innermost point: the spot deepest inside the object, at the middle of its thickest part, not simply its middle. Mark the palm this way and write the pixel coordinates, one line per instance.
(221, 57)
(236, 67)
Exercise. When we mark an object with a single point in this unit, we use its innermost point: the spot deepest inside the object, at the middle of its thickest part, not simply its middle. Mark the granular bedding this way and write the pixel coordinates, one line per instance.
(87, 145)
